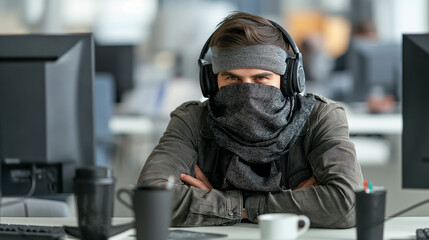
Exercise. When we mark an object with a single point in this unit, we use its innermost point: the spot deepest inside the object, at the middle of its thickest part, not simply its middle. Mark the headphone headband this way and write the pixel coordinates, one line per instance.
(288, 37)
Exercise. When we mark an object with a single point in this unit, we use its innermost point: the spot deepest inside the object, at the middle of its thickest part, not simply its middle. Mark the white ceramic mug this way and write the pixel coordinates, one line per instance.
(281, 226)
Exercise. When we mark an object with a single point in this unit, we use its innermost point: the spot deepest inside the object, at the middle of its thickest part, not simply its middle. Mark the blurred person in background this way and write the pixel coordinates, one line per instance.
(363, 31)
(317, 62)
(256, 145)
(377, 98)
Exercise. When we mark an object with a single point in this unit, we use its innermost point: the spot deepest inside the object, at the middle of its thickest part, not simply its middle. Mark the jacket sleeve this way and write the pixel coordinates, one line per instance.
(176, 153)
(333, 160)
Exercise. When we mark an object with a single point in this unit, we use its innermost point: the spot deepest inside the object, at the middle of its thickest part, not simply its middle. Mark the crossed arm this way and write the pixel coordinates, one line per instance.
(200, 181)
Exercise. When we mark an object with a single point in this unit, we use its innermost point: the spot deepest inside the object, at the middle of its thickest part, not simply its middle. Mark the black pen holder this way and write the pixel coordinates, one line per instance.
(370, 210)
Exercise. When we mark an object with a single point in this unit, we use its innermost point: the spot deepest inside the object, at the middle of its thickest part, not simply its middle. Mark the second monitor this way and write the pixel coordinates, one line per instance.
(376, 69)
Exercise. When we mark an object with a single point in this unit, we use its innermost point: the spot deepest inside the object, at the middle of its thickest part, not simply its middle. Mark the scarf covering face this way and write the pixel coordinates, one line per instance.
(257, 125)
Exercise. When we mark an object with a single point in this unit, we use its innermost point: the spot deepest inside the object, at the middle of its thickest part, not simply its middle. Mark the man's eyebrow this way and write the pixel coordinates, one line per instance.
(261, 75)
(230, 74)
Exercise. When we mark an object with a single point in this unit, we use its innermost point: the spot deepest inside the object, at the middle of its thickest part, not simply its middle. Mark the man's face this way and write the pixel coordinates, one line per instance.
(248, 75)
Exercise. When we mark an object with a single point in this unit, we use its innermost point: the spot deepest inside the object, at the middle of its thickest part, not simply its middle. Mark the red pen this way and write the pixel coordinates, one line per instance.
(365, 186)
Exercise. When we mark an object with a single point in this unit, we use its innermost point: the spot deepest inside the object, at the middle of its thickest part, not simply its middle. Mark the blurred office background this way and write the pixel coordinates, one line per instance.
(146, 65)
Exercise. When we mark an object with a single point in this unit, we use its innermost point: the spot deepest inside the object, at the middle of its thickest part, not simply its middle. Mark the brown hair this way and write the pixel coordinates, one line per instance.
(242, 29)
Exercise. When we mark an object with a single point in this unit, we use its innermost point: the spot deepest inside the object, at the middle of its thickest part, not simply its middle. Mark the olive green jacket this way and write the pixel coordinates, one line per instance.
(323, 149)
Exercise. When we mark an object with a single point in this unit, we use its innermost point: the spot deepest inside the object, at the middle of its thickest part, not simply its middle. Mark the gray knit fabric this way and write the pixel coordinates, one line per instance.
(268, 57)
(252, 122)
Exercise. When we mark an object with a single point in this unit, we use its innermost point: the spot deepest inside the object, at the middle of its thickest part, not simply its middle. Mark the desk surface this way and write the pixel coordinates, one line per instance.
(359, 123)
(395, 229)
(384, 124)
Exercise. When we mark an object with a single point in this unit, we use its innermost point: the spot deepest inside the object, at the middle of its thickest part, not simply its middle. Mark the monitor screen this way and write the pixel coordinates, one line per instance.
(415, 113)
(46, 111)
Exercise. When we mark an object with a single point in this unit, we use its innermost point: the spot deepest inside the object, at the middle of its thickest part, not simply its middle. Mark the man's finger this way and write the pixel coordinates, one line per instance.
(193, 181)
(306, 183)
(200, 175)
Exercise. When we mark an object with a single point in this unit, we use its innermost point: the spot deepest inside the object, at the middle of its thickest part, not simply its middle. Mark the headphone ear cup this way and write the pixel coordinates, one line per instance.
(286, 86)
(299, 76)
(294, 80)
(208, 80)
(212, 78)
(203, 81)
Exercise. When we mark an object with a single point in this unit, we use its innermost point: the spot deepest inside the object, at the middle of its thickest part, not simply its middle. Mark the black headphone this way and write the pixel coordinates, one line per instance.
(292, 82)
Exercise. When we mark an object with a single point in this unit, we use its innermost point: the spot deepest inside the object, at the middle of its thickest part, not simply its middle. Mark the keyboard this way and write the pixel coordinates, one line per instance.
(18, 232)
(422, 233)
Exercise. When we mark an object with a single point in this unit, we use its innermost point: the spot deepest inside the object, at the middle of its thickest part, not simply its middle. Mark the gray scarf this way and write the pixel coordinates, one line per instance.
(257, 125)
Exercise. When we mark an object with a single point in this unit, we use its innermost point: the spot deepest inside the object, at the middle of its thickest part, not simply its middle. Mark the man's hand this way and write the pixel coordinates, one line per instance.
(200, 181)
(306, 183)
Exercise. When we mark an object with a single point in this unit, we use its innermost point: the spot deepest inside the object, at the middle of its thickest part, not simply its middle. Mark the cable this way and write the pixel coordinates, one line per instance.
(30, 192)
(406, 210)
(402, 211)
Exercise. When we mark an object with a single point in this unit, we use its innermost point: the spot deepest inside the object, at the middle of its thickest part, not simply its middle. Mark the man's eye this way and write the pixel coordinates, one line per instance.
(232, 78)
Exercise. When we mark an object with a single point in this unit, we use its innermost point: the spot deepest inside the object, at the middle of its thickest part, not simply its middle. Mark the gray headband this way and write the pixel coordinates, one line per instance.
(268, 57)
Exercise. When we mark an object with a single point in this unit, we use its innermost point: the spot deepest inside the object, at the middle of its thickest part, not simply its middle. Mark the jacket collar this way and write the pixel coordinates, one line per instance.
(205, 130)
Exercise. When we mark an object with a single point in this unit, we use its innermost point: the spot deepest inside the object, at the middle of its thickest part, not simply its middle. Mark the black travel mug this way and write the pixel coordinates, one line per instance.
(370, 209)
(94, 191)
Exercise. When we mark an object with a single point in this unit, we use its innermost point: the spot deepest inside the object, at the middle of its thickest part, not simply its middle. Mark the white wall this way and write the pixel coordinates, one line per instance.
(395, 17)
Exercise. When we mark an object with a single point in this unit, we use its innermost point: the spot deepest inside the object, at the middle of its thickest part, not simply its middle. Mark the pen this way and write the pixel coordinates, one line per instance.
(370, 187)
(365, 186)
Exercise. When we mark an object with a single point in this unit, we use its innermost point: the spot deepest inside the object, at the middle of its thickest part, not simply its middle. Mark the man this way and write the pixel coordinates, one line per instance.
(254, 147)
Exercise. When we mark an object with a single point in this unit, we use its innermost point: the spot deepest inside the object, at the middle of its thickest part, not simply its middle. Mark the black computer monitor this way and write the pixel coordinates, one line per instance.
(415, 111)
(376, 69)
(46, 111)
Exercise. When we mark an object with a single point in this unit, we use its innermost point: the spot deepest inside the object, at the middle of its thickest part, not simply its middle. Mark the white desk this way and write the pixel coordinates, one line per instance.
(359, 123)
(384, 124)
(395, 229)
(128, 125)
